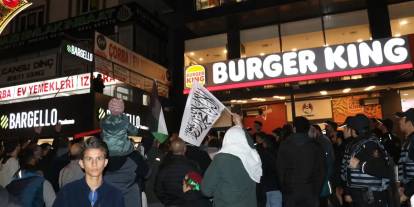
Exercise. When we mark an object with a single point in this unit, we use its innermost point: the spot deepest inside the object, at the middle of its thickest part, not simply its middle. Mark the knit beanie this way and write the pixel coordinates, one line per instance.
(193, 179)
(116, 106)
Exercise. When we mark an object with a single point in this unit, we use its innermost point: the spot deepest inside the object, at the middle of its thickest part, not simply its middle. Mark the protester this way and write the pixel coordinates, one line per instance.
(268, 188)
(60, 158)
(168, 183)
(98, 84)
(315, 132)
(232, 176)
(368, 171)
(122, 169)
(72, 171)
(390, 141)
(191, 188)
(9, 165)
(91, 190)
(7, 200)
(300, 166)
(199, 156)
(28, 186)
(406, 162)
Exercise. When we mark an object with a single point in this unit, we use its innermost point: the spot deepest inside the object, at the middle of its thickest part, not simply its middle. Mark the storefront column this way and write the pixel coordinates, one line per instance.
(175, 54)
(233, 39)
(379, 19)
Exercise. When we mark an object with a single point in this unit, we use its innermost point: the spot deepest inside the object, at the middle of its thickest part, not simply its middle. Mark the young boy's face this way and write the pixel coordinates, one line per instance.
(93, 162)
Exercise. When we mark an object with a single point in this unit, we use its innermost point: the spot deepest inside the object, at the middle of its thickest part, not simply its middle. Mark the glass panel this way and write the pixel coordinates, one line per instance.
(402, 18)
(259, 41)
(206, 4)
(205, 50)
(302, 34)
(347, 27)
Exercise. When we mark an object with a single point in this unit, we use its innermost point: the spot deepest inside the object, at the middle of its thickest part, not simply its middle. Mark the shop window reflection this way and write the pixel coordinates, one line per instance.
(259, 41)
(205, 50)
(347, 27)
(206, 4)
(402, 18)
(302, 34)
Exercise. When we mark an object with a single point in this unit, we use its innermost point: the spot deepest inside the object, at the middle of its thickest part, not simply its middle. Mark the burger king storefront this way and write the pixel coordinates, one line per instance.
(324, 83)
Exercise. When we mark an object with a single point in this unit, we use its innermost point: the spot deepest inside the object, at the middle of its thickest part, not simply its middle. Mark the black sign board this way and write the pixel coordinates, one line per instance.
(18, 120)
(308, 64)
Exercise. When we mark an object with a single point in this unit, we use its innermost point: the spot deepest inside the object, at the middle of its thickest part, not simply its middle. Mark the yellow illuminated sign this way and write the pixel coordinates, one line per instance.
(9, 9)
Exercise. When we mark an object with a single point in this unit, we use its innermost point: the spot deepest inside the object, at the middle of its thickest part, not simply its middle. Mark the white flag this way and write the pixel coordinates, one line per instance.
(201, 111)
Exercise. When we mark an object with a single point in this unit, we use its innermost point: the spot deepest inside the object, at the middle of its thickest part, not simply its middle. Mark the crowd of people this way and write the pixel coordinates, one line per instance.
(360, 162)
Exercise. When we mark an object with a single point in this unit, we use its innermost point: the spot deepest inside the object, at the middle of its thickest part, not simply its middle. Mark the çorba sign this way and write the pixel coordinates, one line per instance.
(315, 63)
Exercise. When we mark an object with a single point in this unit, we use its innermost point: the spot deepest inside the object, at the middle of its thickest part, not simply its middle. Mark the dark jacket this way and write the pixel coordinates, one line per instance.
(28, 189)
(8, 200)
(300, 165)
(199, 156)
(268, 181)
(75, 194)
(169, 181)
(228, 183)
(409, 187)
(195, 198)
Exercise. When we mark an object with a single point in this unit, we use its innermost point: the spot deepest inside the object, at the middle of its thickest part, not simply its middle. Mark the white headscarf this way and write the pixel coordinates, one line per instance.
(235, 143)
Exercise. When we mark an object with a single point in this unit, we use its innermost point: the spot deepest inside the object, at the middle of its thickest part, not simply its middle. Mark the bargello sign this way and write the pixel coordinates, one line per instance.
(29, 119)
(308, 64)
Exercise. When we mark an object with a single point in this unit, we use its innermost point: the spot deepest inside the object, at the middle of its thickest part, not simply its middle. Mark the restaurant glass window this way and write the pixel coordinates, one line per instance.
(206, 4)
(86, 6)
(301, 34)
(347, 27)
(30, 19)
(402, 18)
(259, 41)
(205, 50)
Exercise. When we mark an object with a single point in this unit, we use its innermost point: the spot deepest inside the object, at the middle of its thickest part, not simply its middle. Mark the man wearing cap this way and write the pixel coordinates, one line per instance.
(406, 162)
(368, 171)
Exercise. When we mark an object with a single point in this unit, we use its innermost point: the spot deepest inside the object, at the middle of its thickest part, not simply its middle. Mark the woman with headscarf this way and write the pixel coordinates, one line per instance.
(232, 176)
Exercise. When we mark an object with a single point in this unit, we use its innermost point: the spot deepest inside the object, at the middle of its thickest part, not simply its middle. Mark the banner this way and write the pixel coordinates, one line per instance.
(122, 56)
(27, 70)
(52, 86)
(201, 111)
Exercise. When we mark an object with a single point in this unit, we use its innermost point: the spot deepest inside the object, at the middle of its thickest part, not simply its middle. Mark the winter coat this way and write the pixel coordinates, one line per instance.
(228, 183)
(169, 181)
(300, 165)
(115, 131)
(75, 194)
(195, 198)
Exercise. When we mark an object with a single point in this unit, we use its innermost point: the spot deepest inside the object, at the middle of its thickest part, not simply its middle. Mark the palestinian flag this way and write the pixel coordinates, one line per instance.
(157, 126)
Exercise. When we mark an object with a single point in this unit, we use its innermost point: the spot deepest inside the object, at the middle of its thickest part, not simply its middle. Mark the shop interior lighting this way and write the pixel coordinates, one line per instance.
(405, 94)
(369, 88)
(294, 49)
(397, 35)
(403, 22)
(192, 53)
(324, 93)
(233, 101)
(262, 54)
(200, 59)
(279, 97)
(346, 90)
(225, 51)
(359, 40)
